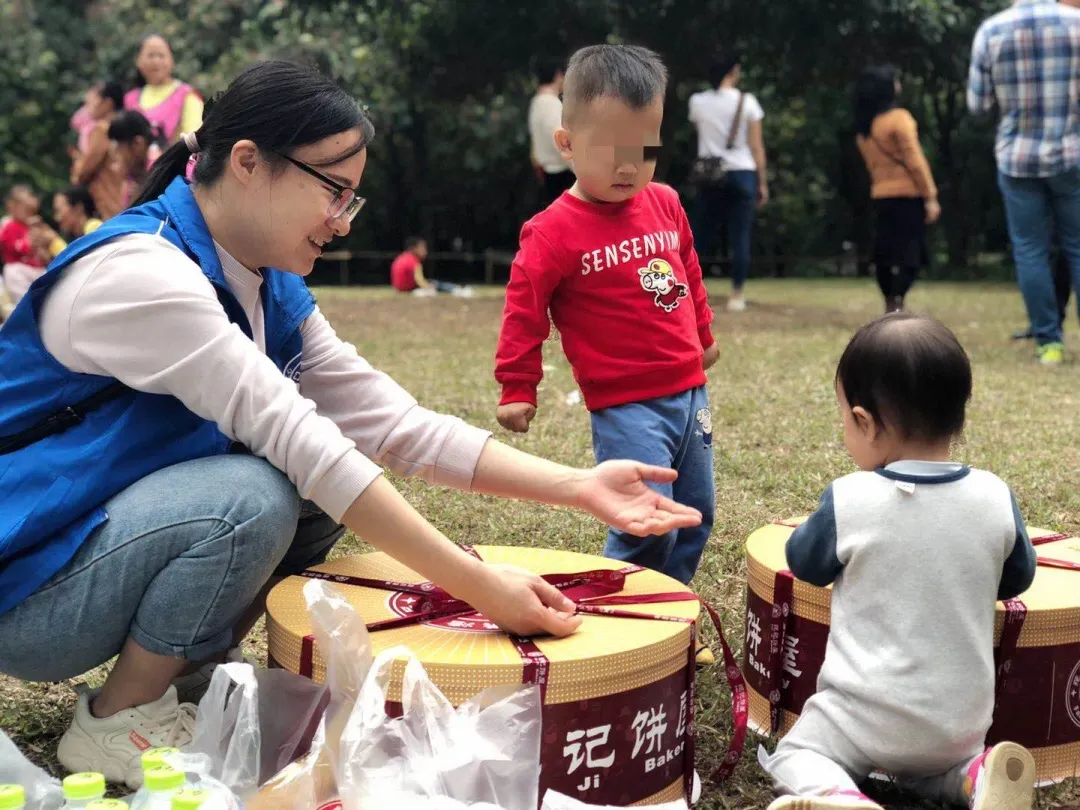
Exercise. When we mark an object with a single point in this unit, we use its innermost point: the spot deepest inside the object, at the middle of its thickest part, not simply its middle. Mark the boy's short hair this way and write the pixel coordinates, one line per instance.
(910, 373)
(630, 73)
(414, 241)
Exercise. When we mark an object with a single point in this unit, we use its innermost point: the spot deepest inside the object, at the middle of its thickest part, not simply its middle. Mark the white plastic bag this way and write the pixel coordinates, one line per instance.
(43, 792)
(485, 751)
(252, 723)
(483, 755)
(311, 781)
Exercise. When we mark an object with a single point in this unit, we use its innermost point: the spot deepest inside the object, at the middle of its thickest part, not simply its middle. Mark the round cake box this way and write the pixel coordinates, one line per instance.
(1040, 686)
(618, 697)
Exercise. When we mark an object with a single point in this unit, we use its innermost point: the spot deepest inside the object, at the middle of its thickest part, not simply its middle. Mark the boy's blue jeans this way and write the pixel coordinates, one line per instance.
(675, 432)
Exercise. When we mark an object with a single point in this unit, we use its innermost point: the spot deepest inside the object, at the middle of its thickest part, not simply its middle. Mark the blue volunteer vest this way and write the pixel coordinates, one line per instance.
(69, 441)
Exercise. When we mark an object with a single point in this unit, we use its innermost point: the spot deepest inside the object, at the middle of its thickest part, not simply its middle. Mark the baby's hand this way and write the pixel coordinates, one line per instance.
(712, 354)
(516, 416)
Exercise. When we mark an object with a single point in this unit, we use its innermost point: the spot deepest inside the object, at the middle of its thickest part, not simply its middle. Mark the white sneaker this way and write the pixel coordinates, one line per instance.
(191, 688)
(736, 305)
(1003, 778)
(113, 746)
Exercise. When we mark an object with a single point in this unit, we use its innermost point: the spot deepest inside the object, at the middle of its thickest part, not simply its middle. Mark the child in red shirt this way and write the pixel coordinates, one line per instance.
(21, 262)
(407, 272)
(403, 275)
(613, 260)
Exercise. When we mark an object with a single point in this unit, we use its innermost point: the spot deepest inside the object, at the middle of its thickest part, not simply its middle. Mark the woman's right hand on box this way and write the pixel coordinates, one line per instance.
(522, 603)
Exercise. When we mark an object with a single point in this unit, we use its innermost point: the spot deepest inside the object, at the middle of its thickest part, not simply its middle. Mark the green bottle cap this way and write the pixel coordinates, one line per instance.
(162, 778)
(84, 786)
(156, 756)
(107, 804)
(189, 799)
(12, 797)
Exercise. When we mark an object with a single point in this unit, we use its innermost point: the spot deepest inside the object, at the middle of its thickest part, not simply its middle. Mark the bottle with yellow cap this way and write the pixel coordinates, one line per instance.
(189, 799)
(157, 756)
(82, 788)
(108, 804)
(12, 797)
(159, 784)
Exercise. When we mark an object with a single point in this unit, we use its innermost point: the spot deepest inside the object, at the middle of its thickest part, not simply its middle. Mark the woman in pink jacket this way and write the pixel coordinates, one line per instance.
(169, 104)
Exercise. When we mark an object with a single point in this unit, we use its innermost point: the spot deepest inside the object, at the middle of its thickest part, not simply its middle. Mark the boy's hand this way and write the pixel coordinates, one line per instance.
(516, 416)
(712, 354)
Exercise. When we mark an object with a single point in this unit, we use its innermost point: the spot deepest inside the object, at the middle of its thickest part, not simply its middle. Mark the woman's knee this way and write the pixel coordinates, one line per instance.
(266, 506)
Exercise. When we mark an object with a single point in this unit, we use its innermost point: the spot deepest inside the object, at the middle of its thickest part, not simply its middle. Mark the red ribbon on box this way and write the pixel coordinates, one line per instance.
(593, 593)
(782, 610)
(1049, 538)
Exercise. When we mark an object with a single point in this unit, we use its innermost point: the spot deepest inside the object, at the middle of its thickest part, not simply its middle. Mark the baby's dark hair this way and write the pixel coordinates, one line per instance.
(910, 373)
(630, 73)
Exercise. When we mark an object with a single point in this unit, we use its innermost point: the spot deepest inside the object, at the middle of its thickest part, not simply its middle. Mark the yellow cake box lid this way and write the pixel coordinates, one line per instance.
(765, 555)
(607, 655)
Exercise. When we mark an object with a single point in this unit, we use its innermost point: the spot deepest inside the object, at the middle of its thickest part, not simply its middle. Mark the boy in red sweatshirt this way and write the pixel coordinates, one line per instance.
(613, 260)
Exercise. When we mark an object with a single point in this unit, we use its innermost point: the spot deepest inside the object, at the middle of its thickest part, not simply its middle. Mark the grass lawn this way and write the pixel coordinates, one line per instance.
(776, 437)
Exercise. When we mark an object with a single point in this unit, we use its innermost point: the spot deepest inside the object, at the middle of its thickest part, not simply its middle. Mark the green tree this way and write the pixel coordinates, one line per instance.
(448, 83)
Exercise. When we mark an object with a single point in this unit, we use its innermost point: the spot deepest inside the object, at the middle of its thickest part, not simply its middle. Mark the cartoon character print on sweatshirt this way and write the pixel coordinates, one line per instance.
(659, 279)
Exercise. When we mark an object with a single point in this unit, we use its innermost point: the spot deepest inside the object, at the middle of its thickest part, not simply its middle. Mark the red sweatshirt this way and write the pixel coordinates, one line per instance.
(623, 285)
(15, 245)
(403, 272)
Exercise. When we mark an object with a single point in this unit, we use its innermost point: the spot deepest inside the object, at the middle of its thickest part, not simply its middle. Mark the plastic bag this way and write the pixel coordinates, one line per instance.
(343, 641)
(43, 792)
(306, 784)
(252, 723)
(485, 751)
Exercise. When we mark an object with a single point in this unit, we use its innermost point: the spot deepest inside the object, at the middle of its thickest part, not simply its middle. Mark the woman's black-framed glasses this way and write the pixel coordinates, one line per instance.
(345, 202)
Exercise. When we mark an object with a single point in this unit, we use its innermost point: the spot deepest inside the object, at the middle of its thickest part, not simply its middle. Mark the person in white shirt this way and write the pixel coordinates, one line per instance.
(729, 131)
(545, 117)
(186, 428)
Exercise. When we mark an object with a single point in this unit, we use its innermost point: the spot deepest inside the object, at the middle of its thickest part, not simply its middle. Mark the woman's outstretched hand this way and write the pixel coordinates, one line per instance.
(617, 493)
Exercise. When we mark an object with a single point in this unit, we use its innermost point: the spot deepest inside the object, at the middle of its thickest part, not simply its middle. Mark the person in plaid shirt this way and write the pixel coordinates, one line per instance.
(1025, 62)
